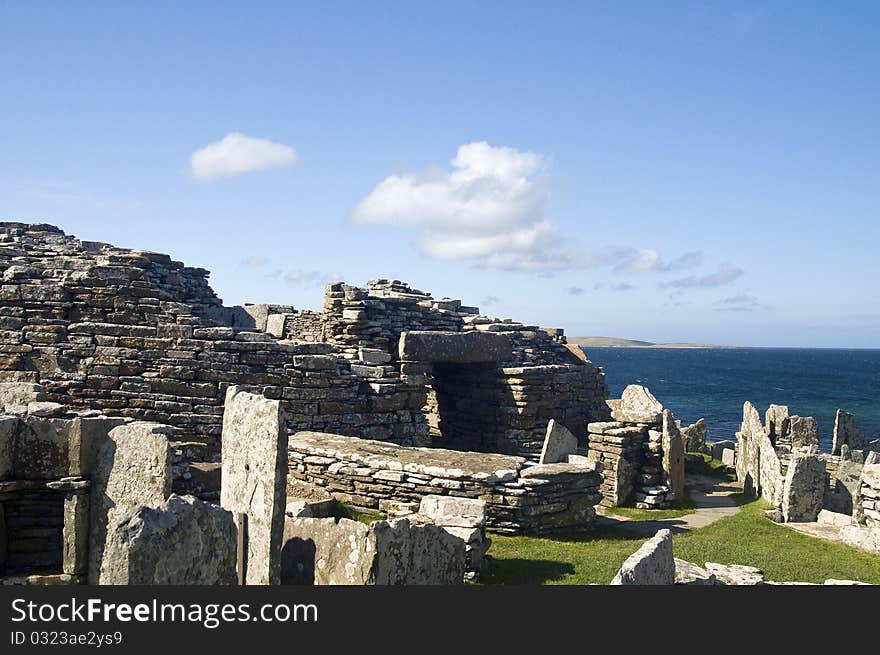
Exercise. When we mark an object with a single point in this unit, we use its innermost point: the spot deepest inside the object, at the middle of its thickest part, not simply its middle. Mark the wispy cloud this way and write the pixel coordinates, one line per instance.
(310, 278)
(740, 303)
(488, 301)
(725, 274)
(620, 286)
(575, 291)
(237, 153)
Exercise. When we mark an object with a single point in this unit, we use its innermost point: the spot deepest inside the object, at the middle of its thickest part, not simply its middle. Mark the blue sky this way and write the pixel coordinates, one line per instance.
(664, 171)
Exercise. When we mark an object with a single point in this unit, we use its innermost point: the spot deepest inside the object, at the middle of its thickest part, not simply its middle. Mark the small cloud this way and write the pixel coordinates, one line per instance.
(623, 286)
(489, 301)
(575, 291)
(725, 274)
(310, 278)
(741, 303)
(253, 262)
(237, 153)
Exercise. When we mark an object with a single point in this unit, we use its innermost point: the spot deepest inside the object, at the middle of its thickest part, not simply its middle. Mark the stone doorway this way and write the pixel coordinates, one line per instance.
(463, 414)
(31, 532)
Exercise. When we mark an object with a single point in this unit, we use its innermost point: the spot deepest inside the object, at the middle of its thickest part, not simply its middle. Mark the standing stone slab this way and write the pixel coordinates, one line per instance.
(559, 443)
(804, 488)
(694, 436)
(652, 564)
(185, 541)
(132, 469)
(327, 552)
(805, 433)
(254, 477)
(673, 455)
(846, 432)
(9, 429)
(76, 534)
(777, 423)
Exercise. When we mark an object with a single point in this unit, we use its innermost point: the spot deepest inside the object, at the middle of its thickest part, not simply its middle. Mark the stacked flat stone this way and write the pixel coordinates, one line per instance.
(620, 450)
(869, 495)
(519, 498)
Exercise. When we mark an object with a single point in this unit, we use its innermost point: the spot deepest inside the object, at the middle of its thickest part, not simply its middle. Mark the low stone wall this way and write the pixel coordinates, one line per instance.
(519, 498)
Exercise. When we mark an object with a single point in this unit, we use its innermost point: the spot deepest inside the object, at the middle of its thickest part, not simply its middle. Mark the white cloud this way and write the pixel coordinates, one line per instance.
(237, 153)
(489, 208)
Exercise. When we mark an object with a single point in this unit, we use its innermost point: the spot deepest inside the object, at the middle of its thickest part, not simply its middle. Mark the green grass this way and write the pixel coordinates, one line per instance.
(344, 511)
(746, 538)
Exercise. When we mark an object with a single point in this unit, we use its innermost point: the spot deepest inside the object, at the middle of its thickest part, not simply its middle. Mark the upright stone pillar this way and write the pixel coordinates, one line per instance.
(254, 478)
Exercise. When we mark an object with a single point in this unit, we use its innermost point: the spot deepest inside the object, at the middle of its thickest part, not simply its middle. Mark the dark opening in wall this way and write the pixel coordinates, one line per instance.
(463, 409)
(31, 525)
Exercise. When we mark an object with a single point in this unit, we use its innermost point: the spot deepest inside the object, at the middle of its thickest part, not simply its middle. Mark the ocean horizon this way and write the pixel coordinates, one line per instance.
(714, 382)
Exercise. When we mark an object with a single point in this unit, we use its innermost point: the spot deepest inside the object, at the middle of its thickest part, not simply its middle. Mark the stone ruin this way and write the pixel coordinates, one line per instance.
(387, 397)
(780, 461)
(641, 451)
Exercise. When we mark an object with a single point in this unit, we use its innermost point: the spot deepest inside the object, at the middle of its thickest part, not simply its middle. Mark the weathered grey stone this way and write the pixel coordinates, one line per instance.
(673, 456)
(804, 432)
(374, 356)
(865, 538)
(652, 564)
(777, 424)
(46, 409)
(453, 511)
(254, 478)
(718, 447)
(87, 435)
(327, 551)
(9, 429)
(408, 553)
(804, 488)
(736, 574)
(846, 432)
(695, 435)
(75, 535)
(304, 508)
(637, 405)
(132, 469)
(185, 541)
(15, 396)
(834, 518)
(42, 449)
(559, 443)
(455, 347)
(774, 515)
(728, 457)
(687, 573)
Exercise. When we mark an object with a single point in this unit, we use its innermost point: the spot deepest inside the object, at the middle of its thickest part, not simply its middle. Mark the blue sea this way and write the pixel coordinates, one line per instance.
(713, 383)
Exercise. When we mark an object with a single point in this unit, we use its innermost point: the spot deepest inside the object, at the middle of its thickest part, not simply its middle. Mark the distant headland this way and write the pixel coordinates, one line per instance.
(614, 342)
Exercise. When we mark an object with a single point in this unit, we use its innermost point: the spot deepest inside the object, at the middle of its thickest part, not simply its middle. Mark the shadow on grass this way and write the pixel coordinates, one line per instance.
(526, 571)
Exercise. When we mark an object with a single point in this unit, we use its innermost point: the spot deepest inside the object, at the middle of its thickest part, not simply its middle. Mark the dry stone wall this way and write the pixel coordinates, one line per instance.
(519, 498)
(641, 452)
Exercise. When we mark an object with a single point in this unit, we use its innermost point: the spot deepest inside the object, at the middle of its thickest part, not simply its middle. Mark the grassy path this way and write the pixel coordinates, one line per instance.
(744, 538)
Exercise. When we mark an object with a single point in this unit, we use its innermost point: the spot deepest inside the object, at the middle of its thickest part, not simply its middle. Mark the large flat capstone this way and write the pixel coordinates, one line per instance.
(454, 347)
